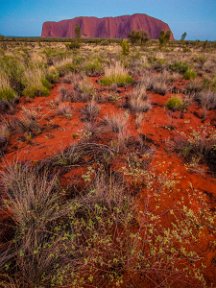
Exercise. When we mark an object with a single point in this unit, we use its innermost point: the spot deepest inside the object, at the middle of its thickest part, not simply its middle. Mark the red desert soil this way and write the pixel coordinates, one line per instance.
(60, 132)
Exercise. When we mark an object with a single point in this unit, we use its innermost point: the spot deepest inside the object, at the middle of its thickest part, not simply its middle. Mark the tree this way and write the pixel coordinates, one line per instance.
(164, 37)
(77, 31)
(138, 37)
(183, 37)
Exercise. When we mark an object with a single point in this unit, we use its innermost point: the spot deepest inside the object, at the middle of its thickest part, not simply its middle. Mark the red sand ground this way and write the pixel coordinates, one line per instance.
(60, 132)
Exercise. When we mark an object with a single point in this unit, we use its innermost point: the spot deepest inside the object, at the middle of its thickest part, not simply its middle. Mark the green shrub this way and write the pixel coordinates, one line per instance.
(52, 75)
(116, 74)
(175, 103)
(35, 82)
(179, 67)
(73, 45)
(210, 84)
(14, 70)
(190, 74)
(33, 91)
(138, 37)
(7, 94)
(93, 67)
(164, 37)
(6, 91)
(125, 47)
(120, 80)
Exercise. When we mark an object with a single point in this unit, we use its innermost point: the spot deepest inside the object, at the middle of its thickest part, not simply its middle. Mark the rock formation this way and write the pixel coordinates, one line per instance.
(108, 27)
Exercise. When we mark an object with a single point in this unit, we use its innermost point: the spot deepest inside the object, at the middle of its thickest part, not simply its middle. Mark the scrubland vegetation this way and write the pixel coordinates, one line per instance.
(108, 164)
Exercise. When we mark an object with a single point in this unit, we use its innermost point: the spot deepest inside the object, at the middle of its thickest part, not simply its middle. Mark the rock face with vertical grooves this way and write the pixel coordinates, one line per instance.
(108, 27)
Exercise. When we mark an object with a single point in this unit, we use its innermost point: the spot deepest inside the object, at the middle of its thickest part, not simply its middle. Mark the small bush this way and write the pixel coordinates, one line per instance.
(116, 74)
(13, 68)
(138, 37)
(65, 66)
(83, 91)
(190, 74)
(125, 47)
(35, 82)
(27, 123)
(6, 92)
(194, 86)
(73, 45)
(52, 75)
(138, 100)
(179, 67)
(90, 112)
(93, 67)
(4, 137)
(207, 99)
(164, 37)
(200, 144)
(175, 103)
(64, 109)
(116, 122)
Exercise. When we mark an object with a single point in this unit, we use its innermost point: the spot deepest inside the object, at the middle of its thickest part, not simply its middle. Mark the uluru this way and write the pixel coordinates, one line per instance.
(107, 27)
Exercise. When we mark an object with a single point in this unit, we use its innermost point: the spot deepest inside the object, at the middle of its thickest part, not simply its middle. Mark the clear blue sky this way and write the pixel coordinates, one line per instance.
(25, 17)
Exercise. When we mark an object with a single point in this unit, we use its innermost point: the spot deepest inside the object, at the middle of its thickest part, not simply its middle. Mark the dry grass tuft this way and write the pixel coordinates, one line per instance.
(138, 100)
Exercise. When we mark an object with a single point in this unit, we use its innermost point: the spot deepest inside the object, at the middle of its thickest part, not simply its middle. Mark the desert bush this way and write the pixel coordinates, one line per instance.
(209, 66)
(195, 86)
(206, 99)
(63, 95)
(116, 74)
(35, 82)
(83, 91)
(27, 123)
(116, 122)
(138, 37)
(125, 47)
(52, 74)
(199, 144)
(72, 78)
(210, 83)
(34, 207)
(90, 112)
(180, 67)
(64, 109)
(65, 65)
(77, 154)
(13, 68)
(164, 37)
(159, 84)
(6, 91)
(184, 69)
(190, 74)
(175, 103)
(93, 67)
(73, 45)
(4, 137)
(138, 100)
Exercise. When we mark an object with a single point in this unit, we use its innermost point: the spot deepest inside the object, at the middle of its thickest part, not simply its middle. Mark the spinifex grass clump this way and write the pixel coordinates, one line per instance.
(6, 92)
(138, 101)
(35, 82)
(13, 67)
(93, 67)
(116, 74)
(199, 146)
(190, 74)
(175, 103)
(184, 69)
